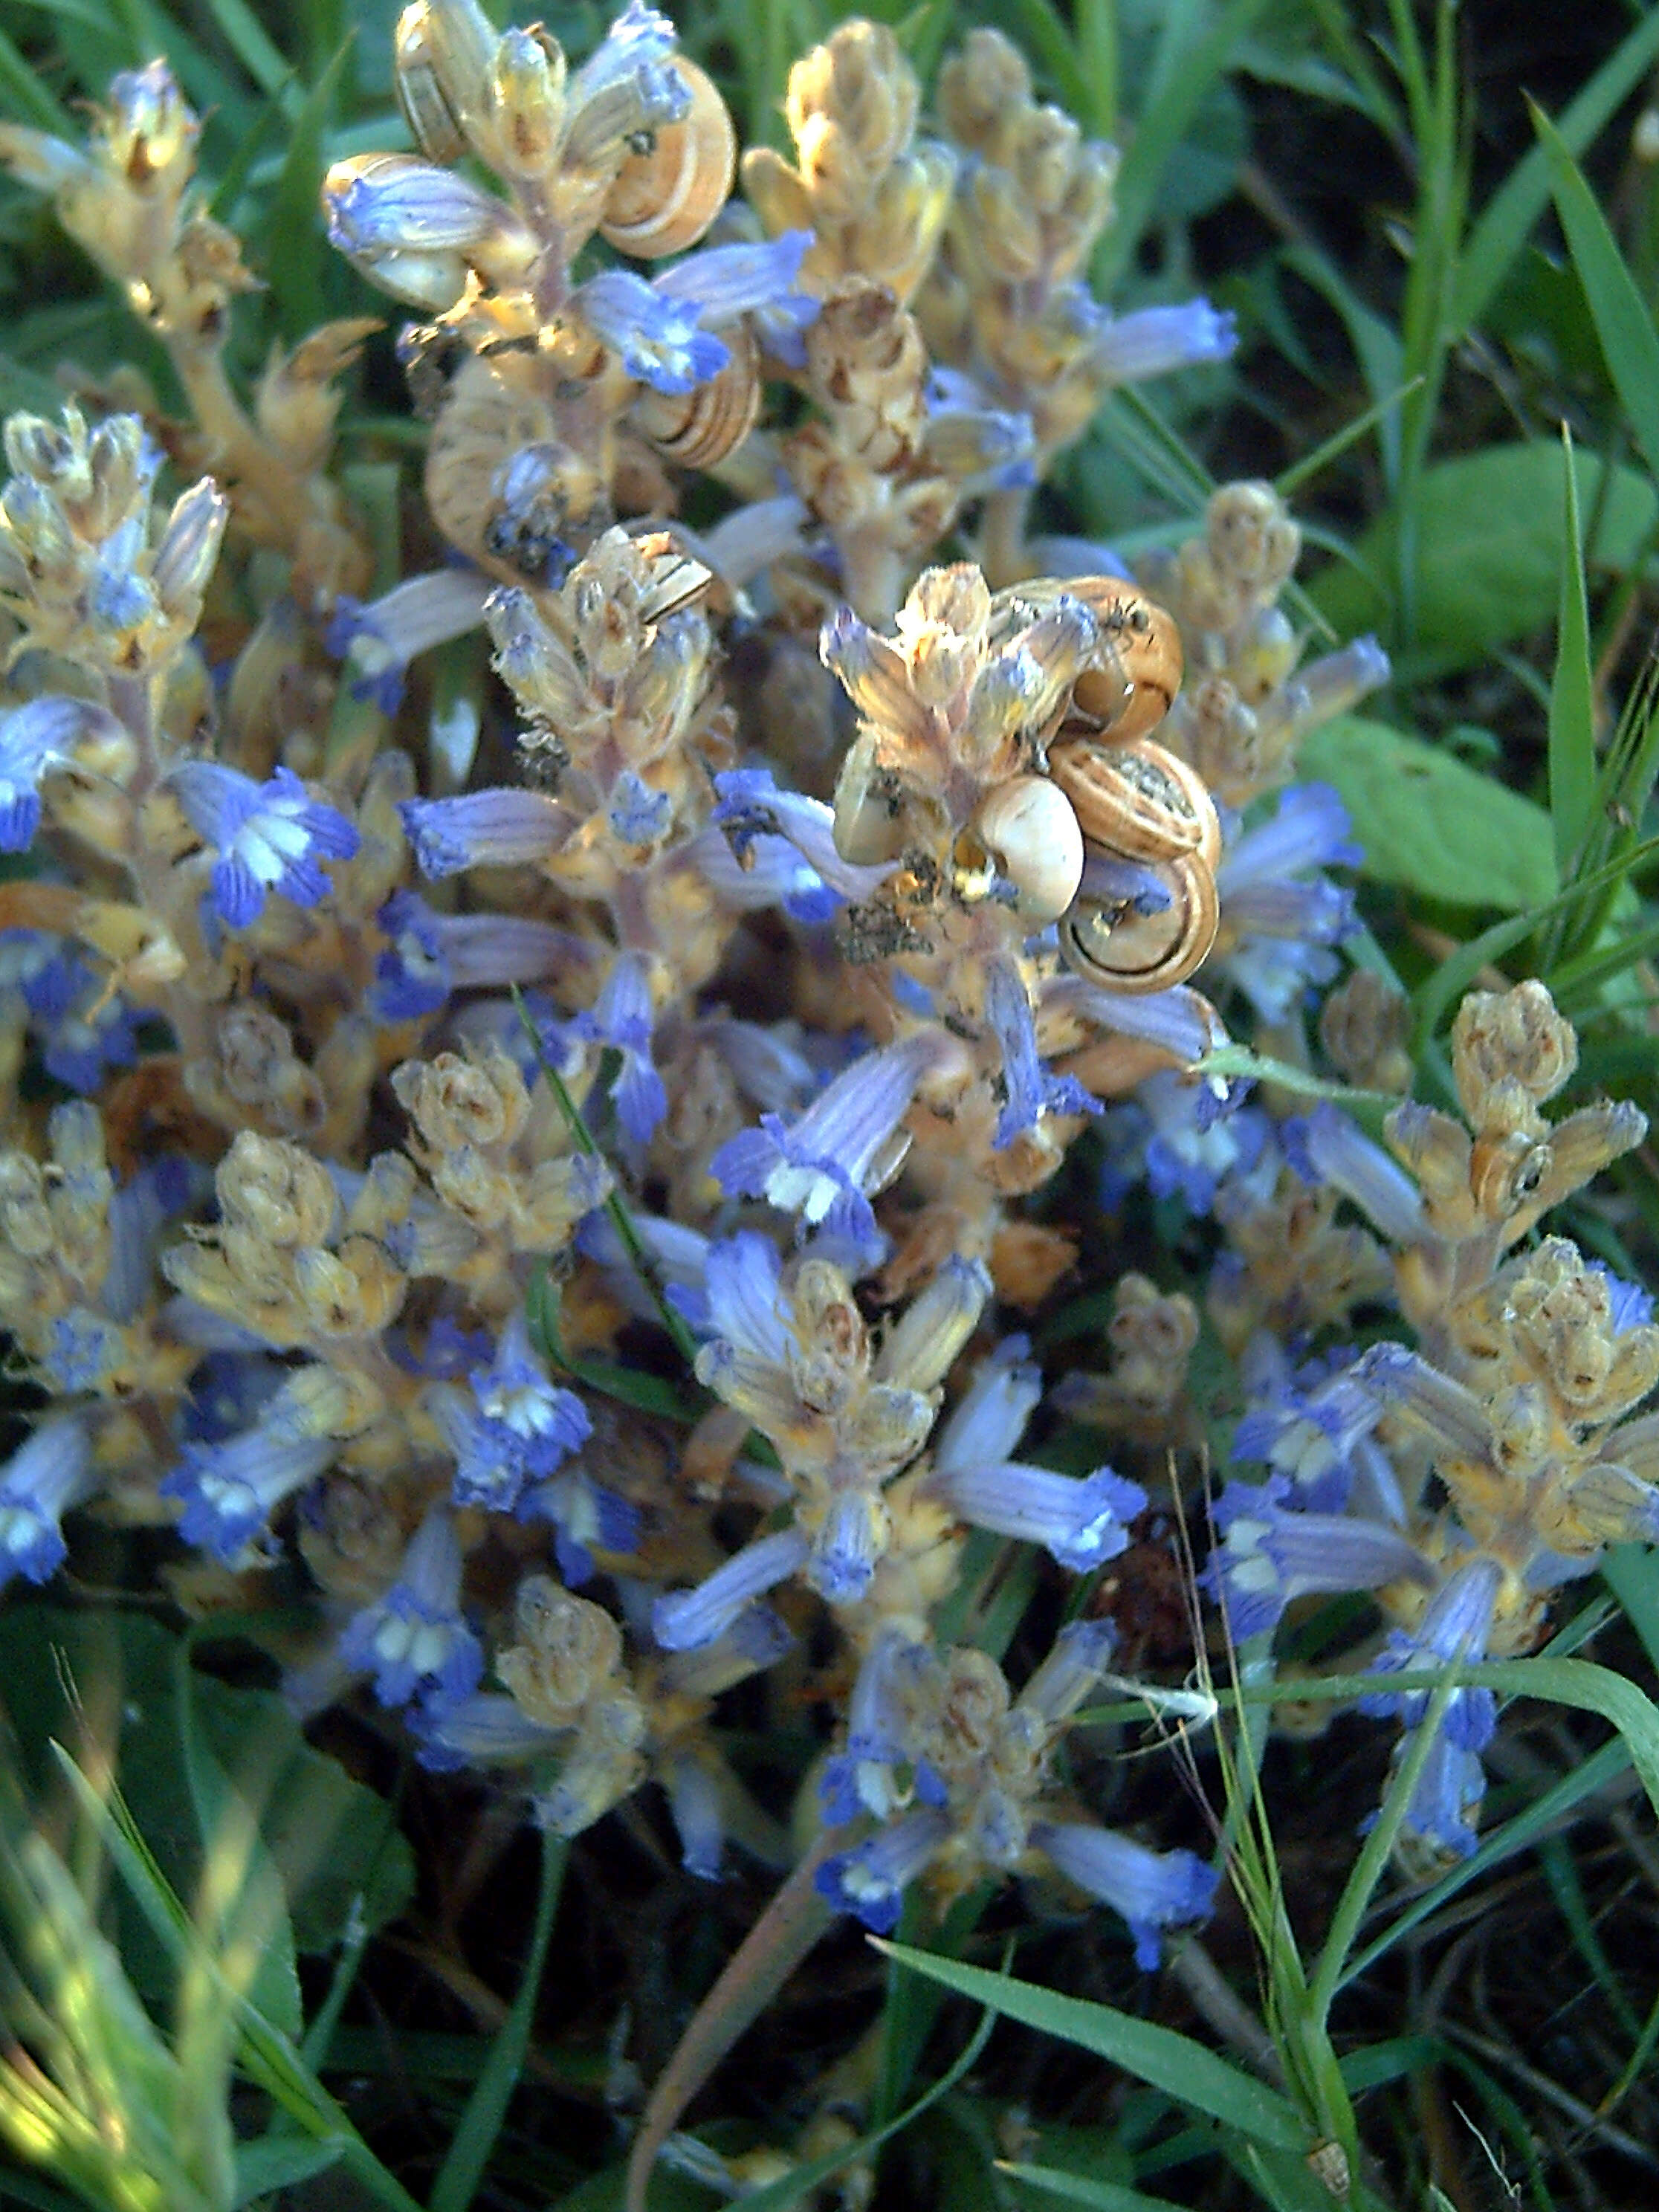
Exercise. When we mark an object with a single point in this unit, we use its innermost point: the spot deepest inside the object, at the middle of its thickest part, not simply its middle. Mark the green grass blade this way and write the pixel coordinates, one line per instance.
(251, 43)
(470, 2149)
(1183, 2069)
(1078, 2189)
(1181, 79)
(1044, 31)
(297, 252)
(23, 93)
(1630, 344)
(1507, 220)
(1457, 975)
(1573, 709)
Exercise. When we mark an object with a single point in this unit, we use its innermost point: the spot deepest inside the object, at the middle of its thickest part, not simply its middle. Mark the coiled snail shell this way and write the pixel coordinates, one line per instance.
(665, 199)
(1137, 672)
(1138, 799)
(700, 426)
(1121, 949)
(1029, 828)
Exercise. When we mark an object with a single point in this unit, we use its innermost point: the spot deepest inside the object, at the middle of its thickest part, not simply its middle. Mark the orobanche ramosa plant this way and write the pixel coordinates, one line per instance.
(818, 882)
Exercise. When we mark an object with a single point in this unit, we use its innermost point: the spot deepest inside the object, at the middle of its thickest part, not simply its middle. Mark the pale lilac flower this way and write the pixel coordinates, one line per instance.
(269, 837)
(1080, 1521)
(484, 1729)
(620, 1021)
(42, 735)
(658, 339)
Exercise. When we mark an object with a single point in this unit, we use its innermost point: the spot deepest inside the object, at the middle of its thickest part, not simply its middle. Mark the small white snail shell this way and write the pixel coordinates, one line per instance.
(1031, 830)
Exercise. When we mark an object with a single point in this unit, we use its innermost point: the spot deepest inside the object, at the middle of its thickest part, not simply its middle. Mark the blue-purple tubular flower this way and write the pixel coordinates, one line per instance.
(1156, 340)
(269, 837)
(38, 1485)
(722, 283)
(1081, 1523)
(870, 1880)
(840, 1147)
(386, 635)
(752, 808)
(621, 1021)
(82, 1026)
(41, 735)
(1306, 1424)
(499, 827)
(657, 338)
(1031, 1090)
(1151, 1891)
(1273, 1554)
(519, 1428)
(414, 1638)
(689, 1618)
(585, 1516)
(411, 976)
(695, 1801)
(1325, 1147)
(485, 1728)
(229, 1490)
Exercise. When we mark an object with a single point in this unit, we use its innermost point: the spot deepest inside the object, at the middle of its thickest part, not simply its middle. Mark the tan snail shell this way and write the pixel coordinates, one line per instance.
(1029, 828)
(700, 426)
(1120, 950)
(1138, 799)
(665, 198)
(417, 79)
(493, 416)
(1137, 670)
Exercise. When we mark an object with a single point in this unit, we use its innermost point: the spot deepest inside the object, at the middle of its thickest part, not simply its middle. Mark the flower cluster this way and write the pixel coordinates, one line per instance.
(574, 1208)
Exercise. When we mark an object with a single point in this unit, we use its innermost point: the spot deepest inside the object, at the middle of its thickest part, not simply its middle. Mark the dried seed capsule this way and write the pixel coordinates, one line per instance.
(1029, 828)
(665, 198)
(1138, 799)
(1122, 950)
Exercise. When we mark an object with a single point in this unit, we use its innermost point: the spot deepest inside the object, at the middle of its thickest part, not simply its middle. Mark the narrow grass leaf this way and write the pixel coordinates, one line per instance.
(252, 44)
(1573, 709)
(1624, 325)
(1078, 2189)
(1179, 87)
(1507, 221)
(23, 93)
(272, 2162)
(296, 245)
(1195, 2077)
(474, 2140)
(1043, 29)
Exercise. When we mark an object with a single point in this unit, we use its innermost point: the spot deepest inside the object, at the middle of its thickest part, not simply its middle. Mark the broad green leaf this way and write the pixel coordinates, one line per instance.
(1078, 2189)
(1631, 1571)
(1623, 321)
(1431, 823)
(1573, 709)
(1491, 542)
(328, 1836)
(1172, 2062)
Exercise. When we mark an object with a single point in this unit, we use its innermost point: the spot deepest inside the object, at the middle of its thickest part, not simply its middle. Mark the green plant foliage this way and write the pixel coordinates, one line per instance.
(1431, 823)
